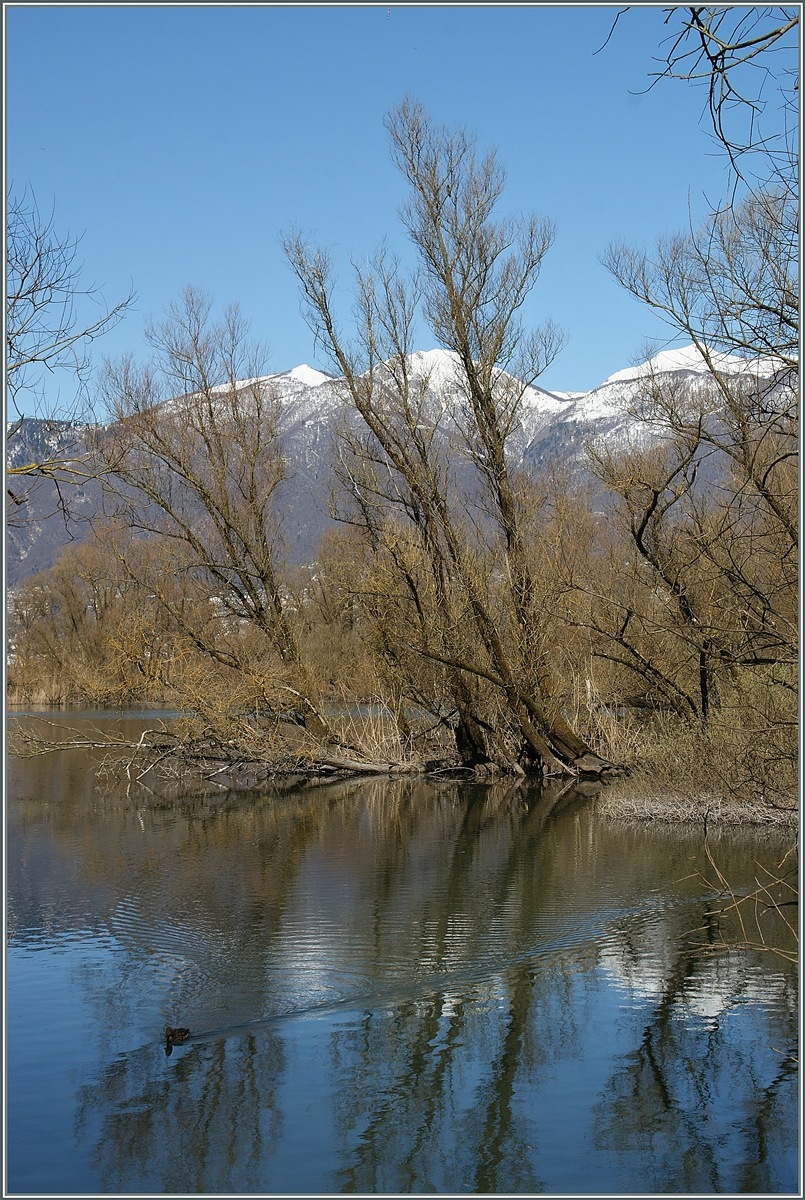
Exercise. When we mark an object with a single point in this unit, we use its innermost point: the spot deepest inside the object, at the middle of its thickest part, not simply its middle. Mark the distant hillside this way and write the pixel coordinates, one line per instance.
(553, 428)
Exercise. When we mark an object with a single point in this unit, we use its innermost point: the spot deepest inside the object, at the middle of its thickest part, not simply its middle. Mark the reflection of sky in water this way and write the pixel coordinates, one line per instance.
(394, 990)
(334, 1092)
(640, 964)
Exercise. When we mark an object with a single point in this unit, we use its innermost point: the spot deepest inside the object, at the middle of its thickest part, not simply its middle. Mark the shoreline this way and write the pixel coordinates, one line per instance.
(630, 801)
(715, 811)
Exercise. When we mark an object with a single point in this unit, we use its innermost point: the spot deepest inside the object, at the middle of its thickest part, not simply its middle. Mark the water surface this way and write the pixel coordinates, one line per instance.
(391, 987)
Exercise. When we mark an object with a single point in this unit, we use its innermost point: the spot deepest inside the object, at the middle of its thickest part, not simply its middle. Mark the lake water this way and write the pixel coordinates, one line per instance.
(391, 987)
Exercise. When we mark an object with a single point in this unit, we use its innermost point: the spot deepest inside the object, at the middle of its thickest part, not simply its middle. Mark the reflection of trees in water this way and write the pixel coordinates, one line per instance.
(208, 1122)
(669, 1102)
(410, 1116)
(195, 891)
(503, 1161)
(427, 1095)
(470, 914)
(401, 1119)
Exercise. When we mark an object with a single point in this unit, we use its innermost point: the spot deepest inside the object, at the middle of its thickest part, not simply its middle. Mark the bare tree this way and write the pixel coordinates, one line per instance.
(194, 461)
(746, 57)
(46, 336)
(707, 607)
(729, 285)
(739, 53)
(401, 469)
(690, 593)
(710, 566)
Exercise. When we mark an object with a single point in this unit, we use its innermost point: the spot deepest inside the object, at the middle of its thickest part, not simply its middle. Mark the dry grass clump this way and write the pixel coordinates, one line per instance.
(740, 768)
(723, 772)
(636, 803)
(381, 731)
(612, 731)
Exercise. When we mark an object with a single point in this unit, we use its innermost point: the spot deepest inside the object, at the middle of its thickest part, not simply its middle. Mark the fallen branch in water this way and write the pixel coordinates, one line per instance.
(778, 891)
(26, 743)
(349, 764)
(181, 752)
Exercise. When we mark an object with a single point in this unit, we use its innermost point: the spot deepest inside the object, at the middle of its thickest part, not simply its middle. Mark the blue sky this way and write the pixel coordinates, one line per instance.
(181, 139)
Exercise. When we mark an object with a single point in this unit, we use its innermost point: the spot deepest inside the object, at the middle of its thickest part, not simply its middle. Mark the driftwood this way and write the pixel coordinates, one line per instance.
(367, 768)
(210, 757)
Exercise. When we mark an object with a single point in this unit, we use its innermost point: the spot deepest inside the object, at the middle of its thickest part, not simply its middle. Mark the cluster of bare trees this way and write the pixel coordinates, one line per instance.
(85, 630)
(449, 594)
(447, 520)
(192, 463)
(471, 597)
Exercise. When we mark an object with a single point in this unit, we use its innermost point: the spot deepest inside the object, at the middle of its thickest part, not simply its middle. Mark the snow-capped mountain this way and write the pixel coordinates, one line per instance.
(310, 397)
(553, 426)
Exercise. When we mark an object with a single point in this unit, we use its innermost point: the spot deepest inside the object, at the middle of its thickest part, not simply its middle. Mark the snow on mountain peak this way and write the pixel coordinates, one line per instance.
(306, 375)
(440, 365)
(688, 358)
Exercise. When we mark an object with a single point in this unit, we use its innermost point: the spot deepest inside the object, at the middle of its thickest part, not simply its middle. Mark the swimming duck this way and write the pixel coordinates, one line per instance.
(174, 1035)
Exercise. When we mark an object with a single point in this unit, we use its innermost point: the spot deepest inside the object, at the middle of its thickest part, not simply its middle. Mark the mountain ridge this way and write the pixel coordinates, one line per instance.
(552, 426)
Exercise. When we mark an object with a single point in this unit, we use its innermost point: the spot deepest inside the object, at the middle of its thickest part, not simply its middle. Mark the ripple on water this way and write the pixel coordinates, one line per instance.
(449, 980)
